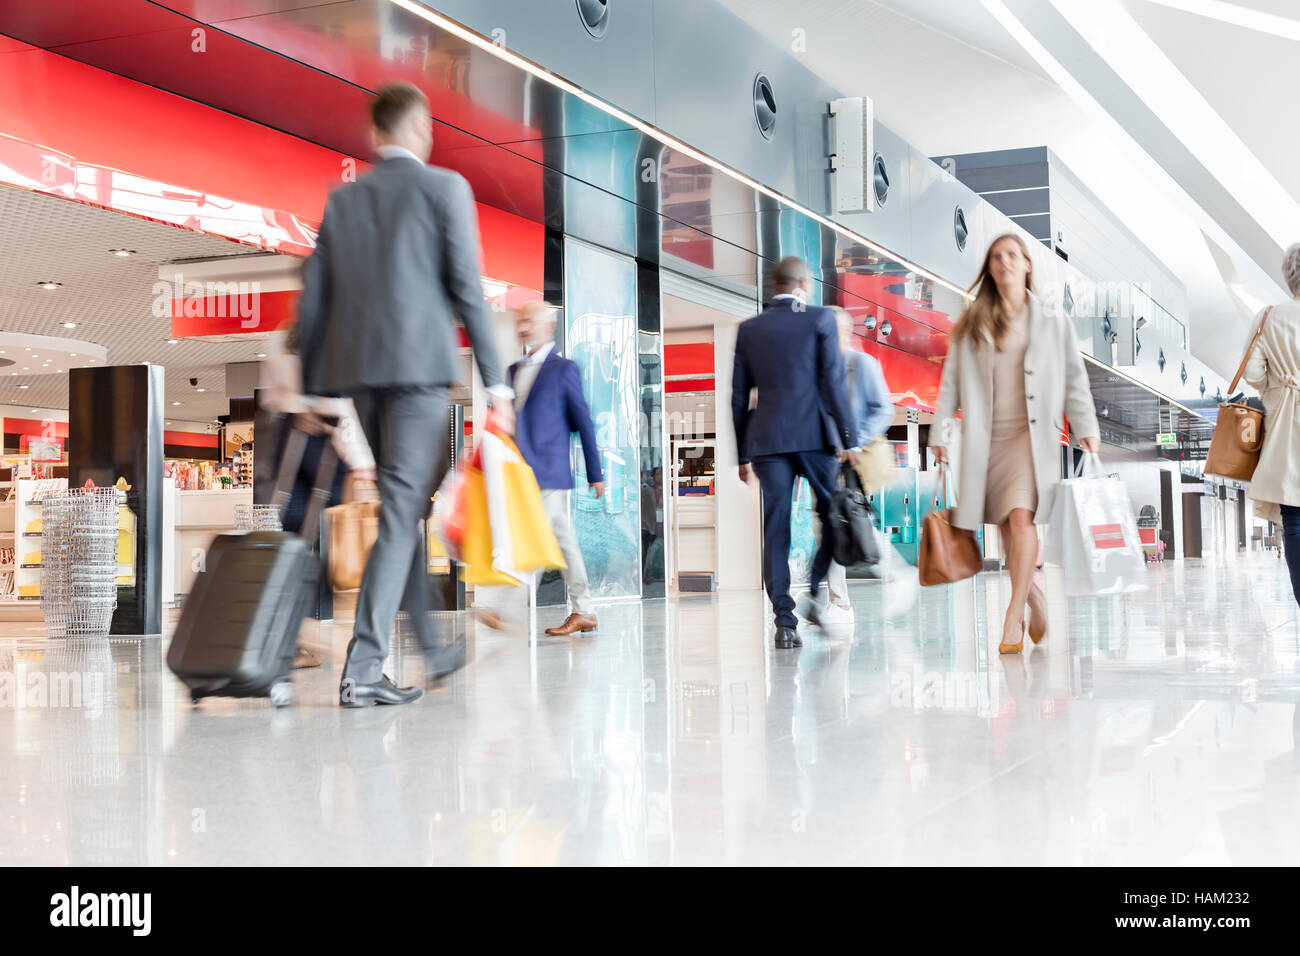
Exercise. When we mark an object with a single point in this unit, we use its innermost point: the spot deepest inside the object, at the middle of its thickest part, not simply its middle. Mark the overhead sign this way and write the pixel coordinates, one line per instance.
(1166, 438)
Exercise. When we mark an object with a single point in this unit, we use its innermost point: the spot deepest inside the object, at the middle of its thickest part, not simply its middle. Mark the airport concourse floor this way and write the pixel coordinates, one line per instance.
(1159, 728)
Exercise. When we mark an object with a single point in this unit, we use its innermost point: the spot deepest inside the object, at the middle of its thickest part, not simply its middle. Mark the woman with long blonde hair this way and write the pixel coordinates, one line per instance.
(1015, 374)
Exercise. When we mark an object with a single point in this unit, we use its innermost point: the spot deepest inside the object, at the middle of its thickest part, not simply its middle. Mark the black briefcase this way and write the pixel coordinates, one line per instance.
(852, 528)
(238, 631)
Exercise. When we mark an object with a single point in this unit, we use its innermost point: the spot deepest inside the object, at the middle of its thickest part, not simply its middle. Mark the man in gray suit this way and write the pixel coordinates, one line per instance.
(397, 257)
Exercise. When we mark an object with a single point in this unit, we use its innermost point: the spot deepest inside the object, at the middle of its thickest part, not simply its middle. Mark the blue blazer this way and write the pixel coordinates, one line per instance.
(873, 409)
(792, 356)
(555, 409)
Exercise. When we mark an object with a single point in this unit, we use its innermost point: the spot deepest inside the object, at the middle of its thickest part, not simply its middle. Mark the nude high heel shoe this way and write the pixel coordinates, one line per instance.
(1037, 614)
(1016, 647)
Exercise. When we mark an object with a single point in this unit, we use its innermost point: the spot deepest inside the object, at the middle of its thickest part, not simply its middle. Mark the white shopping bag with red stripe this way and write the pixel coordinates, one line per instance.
(1093, 535)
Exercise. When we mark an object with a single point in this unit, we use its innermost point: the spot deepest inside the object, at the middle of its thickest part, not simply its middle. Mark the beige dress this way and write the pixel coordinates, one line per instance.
(1011, 481)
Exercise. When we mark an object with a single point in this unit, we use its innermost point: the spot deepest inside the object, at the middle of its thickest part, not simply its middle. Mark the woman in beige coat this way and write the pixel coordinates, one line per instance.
(1015, 374)
(1273, 367)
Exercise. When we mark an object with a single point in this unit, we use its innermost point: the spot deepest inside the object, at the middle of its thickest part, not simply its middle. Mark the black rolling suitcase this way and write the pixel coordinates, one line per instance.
(239, 628)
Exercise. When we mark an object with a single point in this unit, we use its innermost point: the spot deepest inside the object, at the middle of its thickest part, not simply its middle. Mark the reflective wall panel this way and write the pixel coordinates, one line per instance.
(601, 337)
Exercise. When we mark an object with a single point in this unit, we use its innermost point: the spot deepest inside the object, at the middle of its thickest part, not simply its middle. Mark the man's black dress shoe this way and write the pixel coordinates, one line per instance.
(382, 691)
(787, 637)
(442, 661)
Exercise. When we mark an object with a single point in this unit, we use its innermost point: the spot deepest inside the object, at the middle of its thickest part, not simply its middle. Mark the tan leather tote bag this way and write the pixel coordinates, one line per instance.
(354, 525)
(947, 553)
(1239, 429)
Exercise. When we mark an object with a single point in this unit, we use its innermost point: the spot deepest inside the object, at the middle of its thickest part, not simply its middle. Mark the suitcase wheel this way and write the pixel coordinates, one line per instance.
(282, 693)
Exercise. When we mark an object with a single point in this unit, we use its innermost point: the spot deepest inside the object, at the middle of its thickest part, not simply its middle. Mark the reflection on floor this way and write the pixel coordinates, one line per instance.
(1158, 728)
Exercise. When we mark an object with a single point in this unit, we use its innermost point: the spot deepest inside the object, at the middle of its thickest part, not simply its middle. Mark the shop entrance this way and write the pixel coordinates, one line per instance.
(713, 522)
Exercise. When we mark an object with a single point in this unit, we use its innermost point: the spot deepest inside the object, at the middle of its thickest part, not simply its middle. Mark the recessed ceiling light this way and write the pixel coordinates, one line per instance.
(172, 341)
(200, 390)
(175, 403)
(24, 386)
(261, 355)
(51, 286)
(25, 368)
(33, 411)
(69, 325)
(122, 253)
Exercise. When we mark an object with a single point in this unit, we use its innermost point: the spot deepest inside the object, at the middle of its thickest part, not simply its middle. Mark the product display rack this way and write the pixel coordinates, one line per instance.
(27, 508)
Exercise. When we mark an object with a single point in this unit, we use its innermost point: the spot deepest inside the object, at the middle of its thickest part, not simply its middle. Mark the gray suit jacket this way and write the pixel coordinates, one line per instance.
(396, 259)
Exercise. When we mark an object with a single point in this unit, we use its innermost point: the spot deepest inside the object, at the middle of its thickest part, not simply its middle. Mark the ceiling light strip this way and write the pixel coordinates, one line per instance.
(469, 36)
(1141, 384)
(1238, 16)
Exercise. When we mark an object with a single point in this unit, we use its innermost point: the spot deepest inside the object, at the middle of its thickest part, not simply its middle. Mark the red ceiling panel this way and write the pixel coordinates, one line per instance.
(110, 121)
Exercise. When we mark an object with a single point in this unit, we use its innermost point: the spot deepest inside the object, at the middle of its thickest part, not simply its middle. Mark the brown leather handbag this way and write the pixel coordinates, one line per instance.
(354, 526)
(947, 553)
(1239, 429)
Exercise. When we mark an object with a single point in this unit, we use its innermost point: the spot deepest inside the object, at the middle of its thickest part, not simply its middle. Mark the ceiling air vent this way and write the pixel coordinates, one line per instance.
(595, 16)
(959, 230)
(764, 106)
(880, 179)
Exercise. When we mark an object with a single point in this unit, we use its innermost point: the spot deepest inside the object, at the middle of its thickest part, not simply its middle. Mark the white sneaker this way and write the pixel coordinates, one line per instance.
(833, 614)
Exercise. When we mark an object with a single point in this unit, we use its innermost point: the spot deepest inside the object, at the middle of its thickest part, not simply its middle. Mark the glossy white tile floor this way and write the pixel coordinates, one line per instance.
(1155, 729)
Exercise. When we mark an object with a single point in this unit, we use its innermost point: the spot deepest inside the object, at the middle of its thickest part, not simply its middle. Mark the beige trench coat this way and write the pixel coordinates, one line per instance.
(1274, 369)
(1056, 385)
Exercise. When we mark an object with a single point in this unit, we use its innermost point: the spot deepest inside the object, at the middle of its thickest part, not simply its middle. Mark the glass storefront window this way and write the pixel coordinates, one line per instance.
(601, 337)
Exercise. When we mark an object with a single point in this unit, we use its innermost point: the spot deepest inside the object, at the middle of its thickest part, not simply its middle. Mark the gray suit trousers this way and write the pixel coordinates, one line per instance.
(406, 427)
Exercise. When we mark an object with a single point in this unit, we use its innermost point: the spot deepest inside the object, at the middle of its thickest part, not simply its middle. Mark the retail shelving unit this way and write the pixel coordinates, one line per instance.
(27, 533)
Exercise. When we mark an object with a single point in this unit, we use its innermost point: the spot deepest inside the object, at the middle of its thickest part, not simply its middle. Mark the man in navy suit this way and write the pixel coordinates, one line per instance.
(802, 422)
(549, 407)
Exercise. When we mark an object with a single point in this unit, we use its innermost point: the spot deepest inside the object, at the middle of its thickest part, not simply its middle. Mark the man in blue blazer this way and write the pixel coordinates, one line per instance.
(549, 407)
(791, 354)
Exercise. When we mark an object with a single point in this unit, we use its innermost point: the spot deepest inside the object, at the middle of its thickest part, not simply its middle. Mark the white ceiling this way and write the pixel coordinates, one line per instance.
(110, 298)
(949, 77)
(1248, 77)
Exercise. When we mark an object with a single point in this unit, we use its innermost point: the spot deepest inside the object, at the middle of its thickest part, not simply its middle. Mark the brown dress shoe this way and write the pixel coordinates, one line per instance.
(492, 619)
(572, 624)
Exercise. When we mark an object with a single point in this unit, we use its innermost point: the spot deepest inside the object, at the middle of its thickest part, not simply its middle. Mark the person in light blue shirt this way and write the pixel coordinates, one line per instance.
(868, 392)
(873, 412)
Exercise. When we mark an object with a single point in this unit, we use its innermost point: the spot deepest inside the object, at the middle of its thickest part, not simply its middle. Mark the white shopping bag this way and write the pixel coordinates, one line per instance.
(1093, 536)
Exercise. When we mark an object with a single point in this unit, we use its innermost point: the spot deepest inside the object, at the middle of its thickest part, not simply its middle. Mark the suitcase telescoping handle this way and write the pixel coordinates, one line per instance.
(295, 448)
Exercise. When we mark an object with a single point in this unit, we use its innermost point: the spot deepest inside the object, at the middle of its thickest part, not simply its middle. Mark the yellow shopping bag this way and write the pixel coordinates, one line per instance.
(535, 547)
(476, 542)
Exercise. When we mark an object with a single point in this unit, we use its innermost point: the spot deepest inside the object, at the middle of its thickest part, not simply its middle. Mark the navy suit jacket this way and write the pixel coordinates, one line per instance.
(555, 408)
(792, 356)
